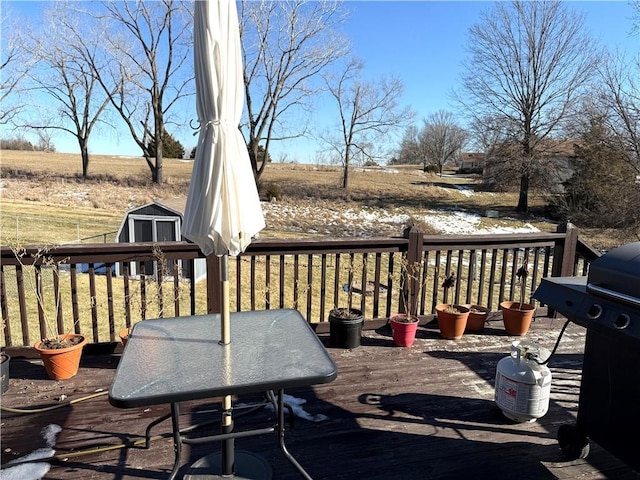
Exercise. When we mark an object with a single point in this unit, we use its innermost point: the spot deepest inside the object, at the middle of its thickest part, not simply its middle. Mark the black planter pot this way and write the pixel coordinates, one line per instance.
(345, 327)
(4, 371)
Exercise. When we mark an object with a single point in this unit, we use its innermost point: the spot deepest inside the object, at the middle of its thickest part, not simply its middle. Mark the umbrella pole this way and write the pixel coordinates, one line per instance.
(224, 300)
(227, 419)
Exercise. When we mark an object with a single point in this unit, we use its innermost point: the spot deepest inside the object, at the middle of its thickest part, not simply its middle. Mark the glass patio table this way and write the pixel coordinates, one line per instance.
(171, 360)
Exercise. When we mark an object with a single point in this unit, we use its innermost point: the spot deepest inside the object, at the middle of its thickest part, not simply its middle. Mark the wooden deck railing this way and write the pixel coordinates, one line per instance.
(51, 290)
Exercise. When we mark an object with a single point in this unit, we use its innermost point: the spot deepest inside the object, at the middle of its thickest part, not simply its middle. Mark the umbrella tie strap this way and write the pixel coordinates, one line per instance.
(214, 123)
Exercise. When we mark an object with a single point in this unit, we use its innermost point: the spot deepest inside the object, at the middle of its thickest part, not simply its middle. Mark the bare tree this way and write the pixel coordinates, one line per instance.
(528, 62)
(600, 161)
(411, 151)
(144, 67)
(486, 133)
(619, 99)
(368, 111)
(285, 46)
(442, 139)
(15, 63)
(62, 73)
(439, 140)
(635, 27)
(45, 140)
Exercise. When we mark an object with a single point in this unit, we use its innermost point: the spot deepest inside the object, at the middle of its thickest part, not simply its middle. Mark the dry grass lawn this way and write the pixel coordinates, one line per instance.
(45, 200)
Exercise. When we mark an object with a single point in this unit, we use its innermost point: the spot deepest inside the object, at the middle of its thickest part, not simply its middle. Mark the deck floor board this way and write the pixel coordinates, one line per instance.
(425, 412)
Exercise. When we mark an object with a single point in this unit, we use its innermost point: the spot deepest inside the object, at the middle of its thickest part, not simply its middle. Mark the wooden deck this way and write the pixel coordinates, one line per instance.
(425, 412)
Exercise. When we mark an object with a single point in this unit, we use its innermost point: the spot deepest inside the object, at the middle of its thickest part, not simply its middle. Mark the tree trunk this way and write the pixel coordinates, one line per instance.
(345, 172)
(157, 170)
(253, 156)
(262, 167)
(523, 199)
(345, 177)
(84, 154)
(159, 131)
(253, 150)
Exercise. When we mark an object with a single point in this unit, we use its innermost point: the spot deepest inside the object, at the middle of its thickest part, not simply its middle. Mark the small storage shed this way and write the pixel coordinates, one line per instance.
(155, 222)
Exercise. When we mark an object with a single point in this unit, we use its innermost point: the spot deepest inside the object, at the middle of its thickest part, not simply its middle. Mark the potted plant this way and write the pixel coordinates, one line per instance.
(477, 318)
(405, 325)
(517, 316)
(60, 353)
(345, 327)
(345, 323)
(4, 372)
(124, 335)
(452, 319)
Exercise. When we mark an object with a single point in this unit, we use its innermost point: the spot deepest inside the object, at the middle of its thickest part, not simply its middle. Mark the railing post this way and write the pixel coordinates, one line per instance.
(213, 284)
(564, 254)
(411, 273)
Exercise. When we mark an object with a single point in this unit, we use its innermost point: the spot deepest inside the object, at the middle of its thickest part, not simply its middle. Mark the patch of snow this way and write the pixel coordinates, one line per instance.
(26, 468)
(298, 411)
(379, 221)
(50, 433)
(465, 190)
(526, 228)
(349, 221)
(464, 223)
(77, 195)
(29, 471)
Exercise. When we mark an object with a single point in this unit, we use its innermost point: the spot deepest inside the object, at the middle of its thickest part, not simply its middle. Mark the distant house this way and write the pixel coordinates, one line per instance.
(553, 166)
(155, 222)
(472, 162)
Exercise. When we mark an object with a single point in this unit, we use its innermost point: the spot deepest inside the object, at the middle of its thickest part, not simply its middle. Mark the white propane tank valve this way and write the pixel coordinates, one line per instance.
(523, 385)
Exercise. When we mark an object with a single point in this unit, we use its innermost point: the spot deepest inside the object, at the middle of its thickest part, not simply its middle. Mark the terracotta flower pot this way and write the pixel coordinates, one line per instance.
(62, 363)
(477, 318)
(403, 327)
(452, 325)
(124, 336)
(517, 317)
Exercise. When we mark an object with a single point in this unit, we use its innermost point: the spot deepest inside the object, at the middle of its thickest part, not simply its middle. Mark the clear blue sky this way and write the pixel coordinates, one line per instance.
(423, 42)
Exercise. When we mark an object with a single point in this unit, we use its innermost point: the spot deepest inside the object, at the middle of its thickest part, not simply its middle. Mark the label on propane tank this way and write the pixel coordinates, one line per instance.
(521, 397)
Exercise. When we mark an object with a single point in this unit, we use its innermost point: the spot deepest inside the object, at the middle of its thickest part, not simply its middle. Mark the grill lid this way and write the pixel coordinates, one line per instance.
(617, 274)
(607, 301)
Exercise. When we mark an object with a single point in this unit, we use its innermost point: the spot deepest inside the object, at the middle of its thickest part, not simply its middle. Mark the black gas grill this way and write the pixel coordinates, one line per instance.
(607, 303)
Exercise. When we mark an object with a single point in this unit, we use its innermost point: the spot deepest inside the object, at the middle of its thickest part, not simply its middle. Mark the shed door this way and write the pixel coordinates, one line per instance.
(146, 228)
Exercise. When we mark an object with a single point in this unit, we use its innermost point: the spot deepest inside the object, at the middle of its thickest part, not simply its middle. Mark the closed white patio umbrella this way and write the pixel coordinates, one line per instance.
(223, 209)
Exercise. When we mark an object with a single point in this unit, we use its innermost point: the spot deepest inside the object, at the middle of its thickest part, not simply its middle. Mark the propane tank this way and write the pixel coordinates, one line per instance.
(523, 385)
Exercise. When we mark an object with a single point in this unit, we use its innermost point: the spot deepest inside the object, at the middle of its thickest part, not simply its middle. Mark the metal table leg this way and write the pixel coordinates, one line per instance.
(213, 461)
(147, 432)
(283, 447)
(229, 463)
(177, 441)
